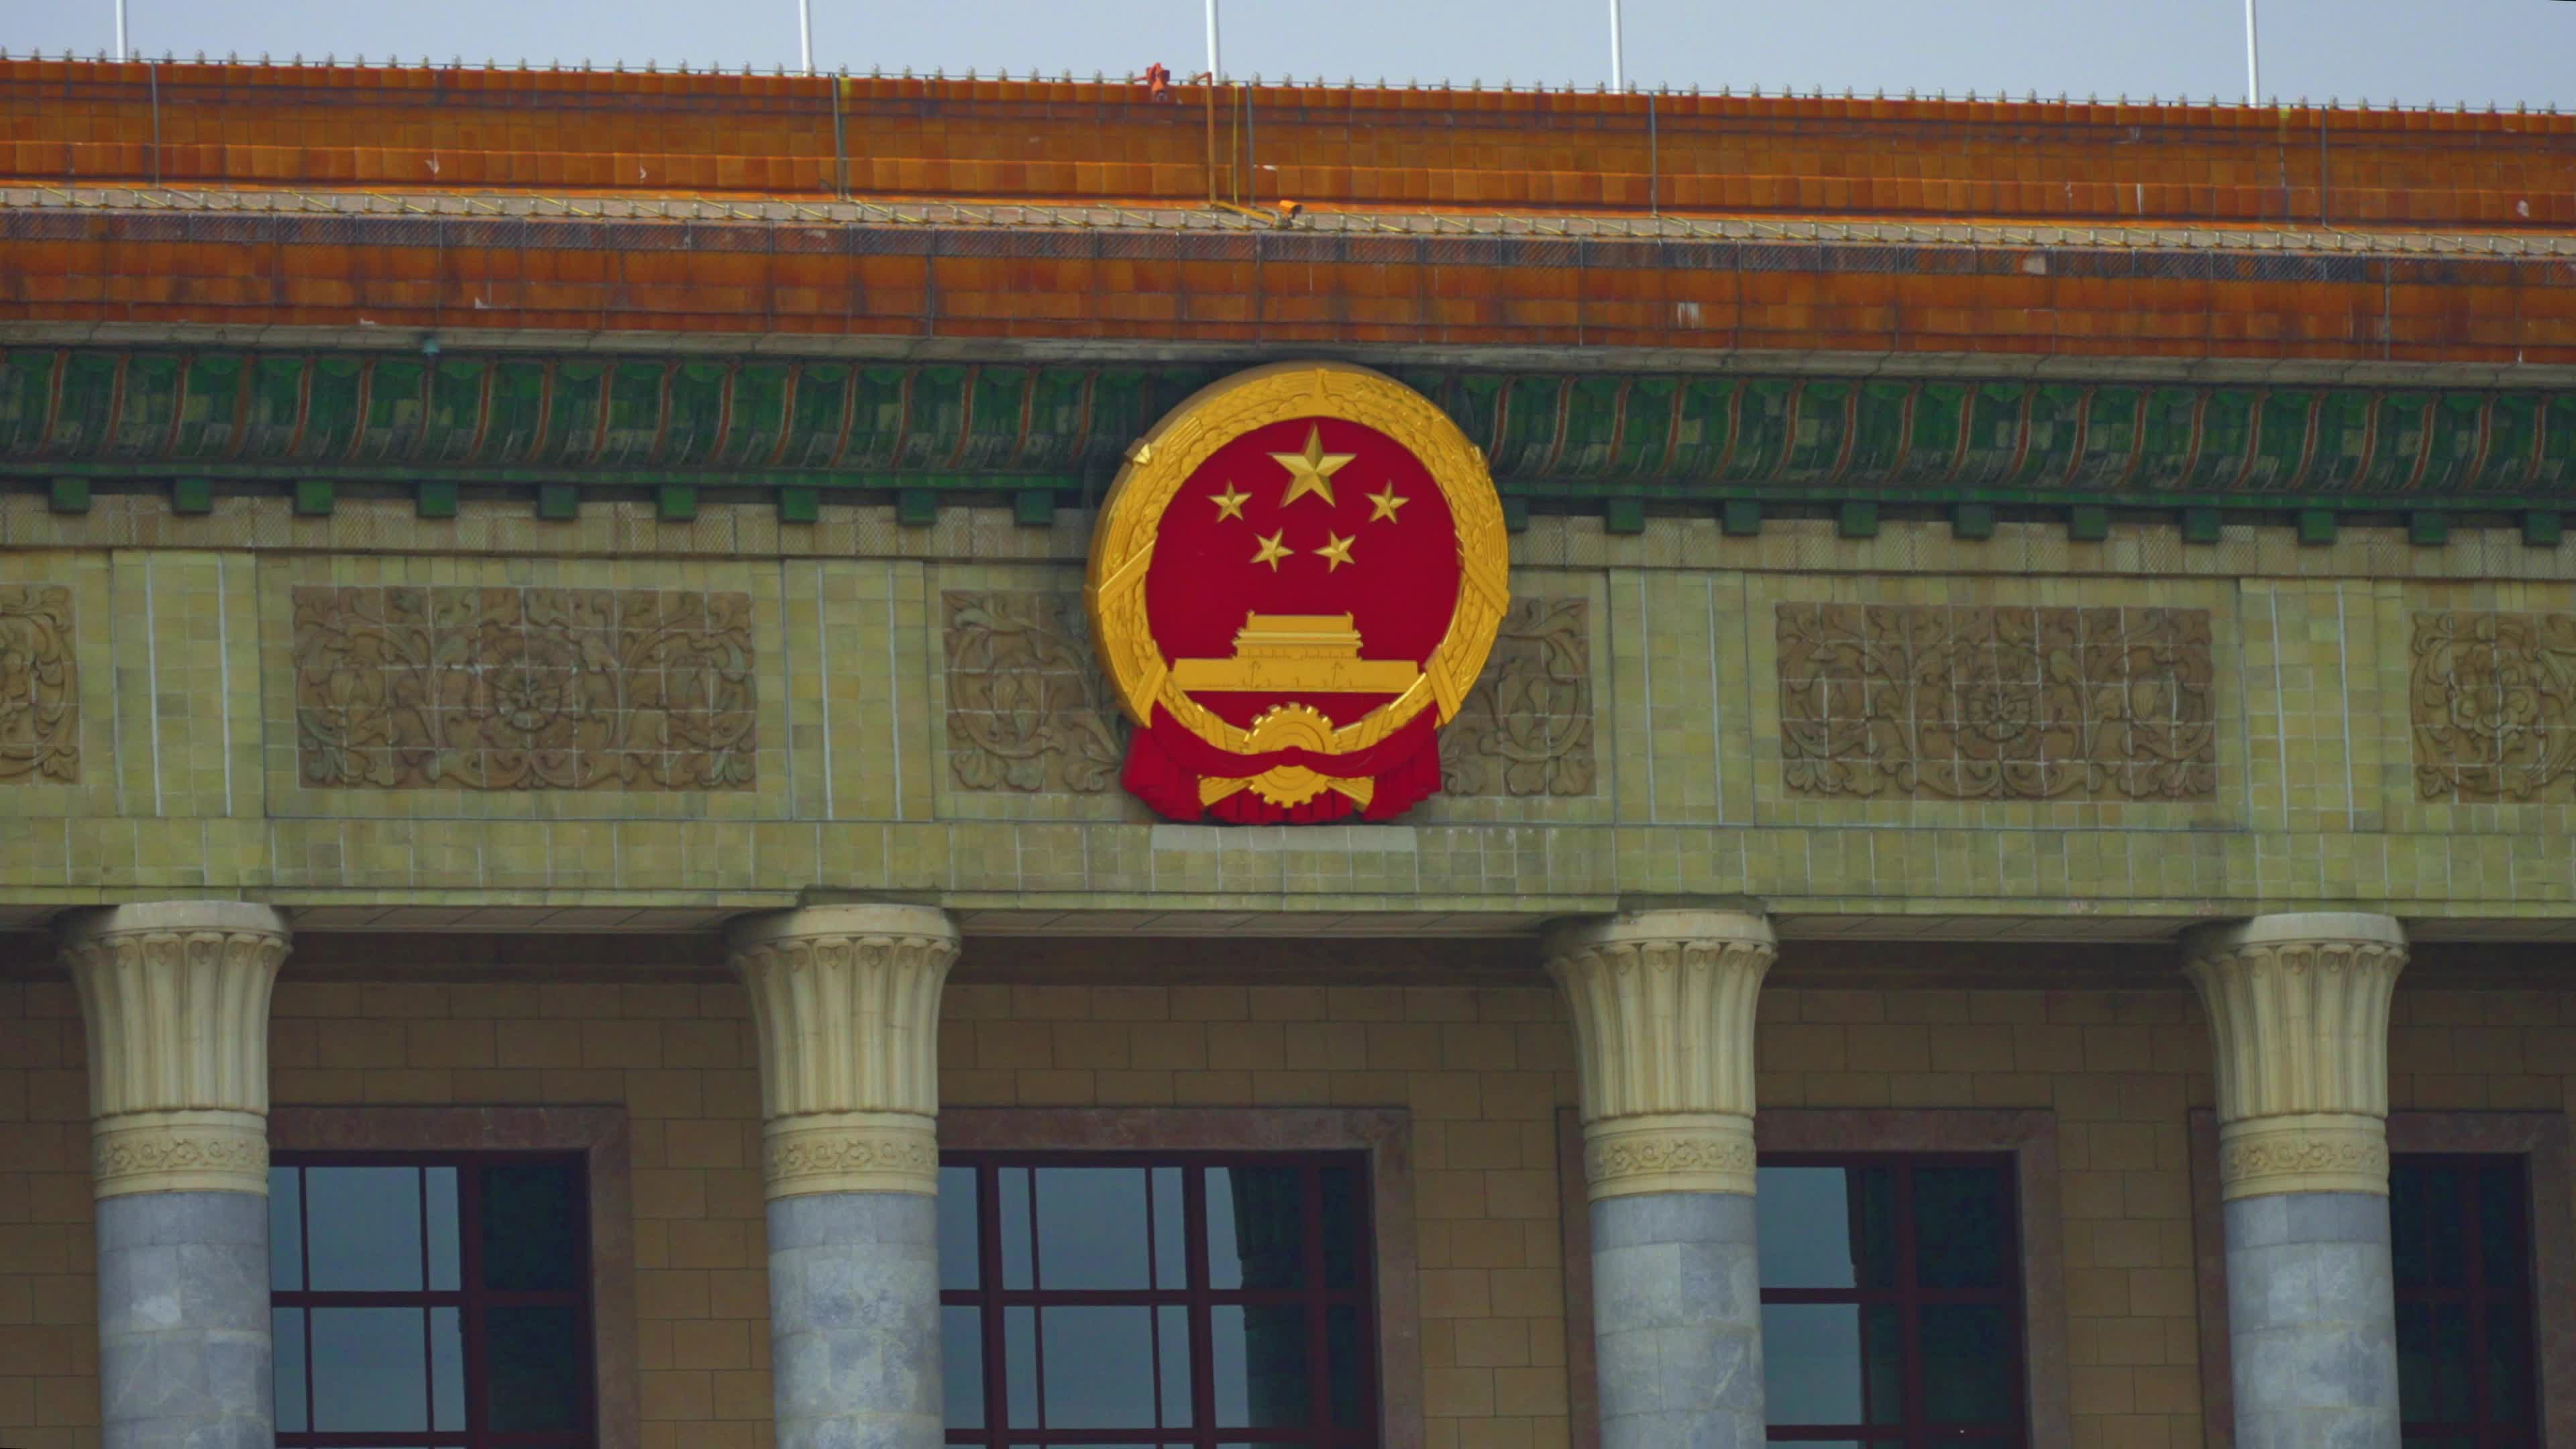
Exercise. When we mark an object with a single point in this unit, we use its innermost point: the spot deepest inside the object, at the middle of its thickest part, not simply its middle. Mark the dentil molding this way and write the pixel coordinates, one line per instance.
(174, 995)
(845, 1000)
(1663, 1006)
(2298, 1013)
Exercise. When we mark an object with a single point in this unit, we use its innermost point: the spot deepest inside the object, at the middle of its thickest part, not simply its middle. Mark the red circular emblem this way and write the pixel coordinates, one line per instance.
(1295, 580)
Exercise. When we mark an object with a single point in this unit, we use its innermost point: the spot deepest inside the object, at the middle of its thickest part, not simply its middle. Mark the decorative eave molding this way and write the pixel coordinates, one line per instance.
(1051, 431)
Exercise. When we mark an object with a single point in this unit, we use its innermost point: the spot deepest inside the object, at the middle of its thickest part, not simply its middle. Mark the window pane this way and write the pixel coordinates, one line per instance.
(1345, 1349)
(1259, 1357)
(1100, 1370)
(532, 1369)
(446, 1367)
(1171, 1230)
(1345, 1227)
(2406, 1223)
(532, 1228)
(1819, 1367)
(2432, 1362)
(1968, 1364)
(2501, 1244)
(1174, 1345)
(1020, 1356)
(445, 1242)
(1826, 1227)
(1015, 1227)
(2508, 1365)
(286, 1347)
(364, 1233)
(370, 1365)
(961, 1249)
(1256, 1228)
(1961, 1228)
(1091, 1233)
(285, 1230)
(961, 1357)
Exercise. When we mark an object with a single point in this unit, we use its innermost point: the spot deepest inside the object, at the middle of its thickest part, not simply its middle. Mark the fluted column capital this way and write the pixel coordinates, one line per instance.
(2298, 1014)
(174, 996)
(846, 1003)
(1663, 1007)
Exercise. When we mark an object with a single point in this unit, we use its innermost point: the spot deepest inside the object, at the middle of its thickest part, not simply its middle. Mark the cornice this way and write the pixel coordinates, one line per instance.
(224, 417)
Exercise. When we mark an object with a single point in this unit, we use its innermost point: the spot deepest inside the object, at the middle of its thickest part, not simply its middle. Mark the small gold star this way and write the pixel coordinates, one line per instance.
(1338, 550)
(1229, 504)
(1271, 550)
(1312, 470)
(1385, 505)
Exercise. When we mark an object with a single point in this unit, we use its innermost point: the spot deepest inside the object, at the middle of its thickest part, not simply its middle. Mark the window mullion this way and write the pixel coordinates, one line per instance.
(1202, 1322)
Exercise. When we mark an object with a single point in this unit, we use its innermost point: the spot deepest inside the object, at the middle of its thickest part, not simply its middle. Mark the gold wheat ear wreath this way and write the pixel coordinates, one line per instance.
(1122, 547)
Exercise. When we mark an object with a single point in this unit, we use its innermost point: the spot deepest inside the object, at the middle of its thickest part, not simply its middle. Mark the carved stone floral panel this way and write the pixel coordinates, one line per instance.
(1974, 703)
(39, 686)
(524, 689)
(1028, 708)
(1526, 728)
(2492, 699)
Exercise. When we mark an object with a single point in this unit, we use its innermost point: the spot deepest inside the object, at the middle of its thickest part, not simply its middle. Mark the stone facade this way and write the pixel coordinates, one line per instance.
(2304, 783)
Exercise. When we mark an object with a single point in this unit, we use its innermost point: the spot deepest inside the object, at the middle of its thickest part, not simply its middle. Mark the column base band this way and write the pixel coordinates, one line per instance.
(199, 1150)
(1669, 1152)
(814, 1152)
(2303, 1152)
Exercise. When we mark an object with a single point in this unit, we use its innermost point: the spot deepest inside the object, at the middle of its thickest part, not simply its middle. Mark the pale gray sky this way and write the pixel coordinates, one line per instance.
(2504, 50)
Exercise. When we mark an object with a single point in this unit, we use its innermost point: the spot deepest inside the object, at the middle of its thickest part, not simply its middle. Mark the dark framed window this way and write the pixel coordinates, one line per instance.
(1892, 1300)
(1158, 1300)
(422, 1300)
(2460, 1234)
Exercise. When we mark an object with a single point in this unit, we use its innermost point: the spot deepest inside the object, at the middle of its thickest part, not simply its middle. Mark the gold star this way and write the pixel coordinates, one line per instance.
(1312, 470)
(1338, 550)
(1385, 505)
(1271, 550)
(1229, 504)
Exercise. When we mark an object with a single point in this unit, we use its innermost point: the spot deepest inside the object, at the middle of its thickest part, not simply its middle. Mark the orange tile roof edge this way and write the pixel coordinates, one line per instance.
(470, 128)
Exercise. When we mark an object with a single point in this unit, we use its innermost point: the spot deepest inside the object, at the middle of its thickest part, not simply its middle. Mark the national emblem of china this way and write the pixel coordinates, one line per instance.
(1294, 582)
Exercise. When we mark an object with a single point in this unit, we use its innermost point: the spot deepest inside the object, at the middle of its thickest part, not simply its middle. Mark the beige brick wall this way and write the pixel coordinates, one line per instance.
(1482, 1072)
(2122, 1071)
(48, 1249)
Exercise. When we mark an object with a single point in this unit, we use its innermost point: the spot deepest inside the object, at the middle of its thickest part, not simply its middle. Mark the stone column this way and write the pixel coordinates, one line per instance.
(846, 1003)
(2298, 1011)
(175, 998)
(1663, 1026)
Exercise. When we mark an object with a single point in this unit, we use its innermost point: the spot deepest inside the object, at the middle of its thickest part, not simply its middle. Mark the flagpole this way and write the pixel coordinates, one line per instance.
(1214, 71)
(2253, 66)
(1618, 49)
(120, 29)
(805, 33)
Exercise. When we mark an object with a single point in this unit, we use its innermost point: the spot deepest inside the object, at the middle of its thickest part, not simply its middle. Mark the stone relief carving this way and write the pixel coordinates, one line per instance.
(524, 689)
(2493, 704)
(1974, 703)
(1526, 728)
(39, 685)
(1028, 708)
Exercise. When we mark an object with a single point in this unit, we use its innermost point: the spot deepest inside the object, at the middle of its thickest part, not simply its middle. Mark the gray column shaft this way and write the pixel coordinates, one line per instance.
(854, 1320)
(2312, 1319)
(183, 1321)
(1677, 1321)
